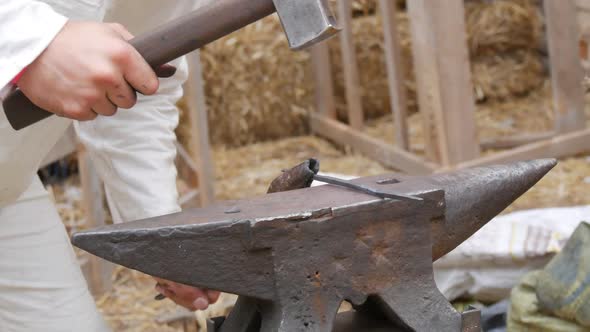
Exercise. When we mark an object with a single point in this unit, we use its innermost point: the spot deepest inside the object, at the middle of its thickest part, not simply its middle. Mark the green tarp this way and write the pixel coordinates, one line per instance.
(556, 298)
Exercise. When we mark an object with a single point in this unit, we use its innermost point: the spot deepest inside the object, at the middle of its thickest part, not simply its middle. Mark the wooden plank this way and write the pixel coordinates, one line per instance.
(350, 66)
(373, 148)
(99, 271)
(443, 78)
(199, 146)
(427, 77)
(514, 141)
(395, 77)
(507, 142)
(324, 83)
(565, 145)
(566, 70)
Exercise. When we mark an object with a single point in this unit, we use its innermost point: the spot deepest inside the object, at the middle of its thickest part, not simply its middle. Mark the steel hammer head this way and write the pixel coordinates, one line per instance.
(306, 22)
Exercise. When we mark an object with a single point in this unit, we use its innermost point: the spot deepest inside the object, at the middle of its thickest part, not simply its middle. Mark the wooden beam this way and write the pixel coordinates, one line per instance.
(565, 145)
(324, 83)
(199, 146)
(443, 77)
(510, 142)
(507, 142)
(566, 70)
(350, 66)
(393, 60)
(387, 154)
(99, 272)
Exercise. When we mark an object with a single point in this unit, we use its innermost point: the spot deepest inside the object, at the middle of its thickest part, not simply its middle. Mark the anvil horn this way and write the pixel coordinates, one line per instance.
(220, 247)
(475, 196)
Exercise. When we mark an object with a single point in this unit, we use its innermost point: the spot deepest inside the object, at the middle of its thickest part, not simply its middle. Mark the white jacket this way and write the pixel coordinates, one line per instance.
(134, 150)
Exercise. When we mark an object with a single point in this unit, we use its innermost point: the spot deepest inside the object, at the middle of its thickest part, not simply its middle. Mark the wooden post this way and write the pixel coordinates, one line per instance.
(566, 69)
(199, 146)
(324, 84)
(443, 77)
(99, 271)
(350, 67)
(397, 91)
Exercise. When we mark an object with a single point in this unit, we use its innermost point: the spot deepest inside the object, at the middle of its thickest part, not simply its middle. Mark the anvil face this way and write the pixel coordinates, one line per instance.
(204, 247)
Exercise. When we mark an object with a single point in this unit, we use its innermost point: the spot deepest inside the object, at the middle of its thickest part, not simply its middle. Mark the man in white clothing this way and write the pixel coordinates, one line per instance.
(67, 62)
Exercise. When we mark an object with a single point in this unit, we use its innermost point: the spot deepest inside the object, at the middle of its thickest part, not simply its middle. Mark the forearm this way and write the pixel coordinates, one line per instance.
(27, 29)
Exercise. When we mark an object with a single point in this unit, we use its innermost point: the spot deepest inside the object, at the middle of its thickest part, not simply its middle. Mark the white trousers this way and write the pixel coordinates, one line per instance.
(41, 285)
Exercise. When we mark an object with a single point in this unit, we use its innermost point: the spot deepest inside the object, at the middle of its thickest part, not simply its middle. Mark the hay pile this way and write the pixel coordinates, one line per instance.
(504, 40)
(247, 171)
(368, 42)
(503, 26)
(507, 44)
(258, 90)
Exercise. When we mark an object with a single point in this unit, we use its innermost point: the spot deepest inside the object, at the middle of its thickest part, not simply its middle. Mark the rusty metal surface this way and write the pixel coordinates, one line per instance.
(297, 255)
(298, 177)
(345, 322)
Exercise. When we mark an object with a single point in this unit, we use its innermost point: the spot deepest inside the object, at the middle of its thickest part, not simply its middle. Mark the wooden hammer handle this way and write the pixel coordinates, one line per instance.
(168, 42)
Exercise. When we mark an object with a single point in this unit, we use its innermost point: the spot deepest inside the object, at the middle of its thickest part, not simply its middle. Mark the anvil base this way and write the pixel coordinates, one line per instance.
(358, 322)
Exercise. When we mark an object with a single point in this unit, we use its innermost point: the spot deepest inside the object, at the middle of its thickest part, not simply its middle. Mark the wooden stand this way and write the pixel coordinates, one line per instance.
(198, 154)
(445, 91)
(97, 271)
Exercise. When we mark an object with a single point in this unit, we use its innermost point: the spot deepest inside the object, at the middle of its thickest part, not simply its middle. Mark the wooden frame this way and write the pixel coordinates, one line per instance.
(445, 92)
(97, 271)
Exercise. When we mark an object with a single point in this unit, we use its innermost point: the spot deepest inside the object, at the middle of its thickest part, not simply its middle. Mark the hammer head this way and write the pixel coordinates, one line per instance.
(306, 22)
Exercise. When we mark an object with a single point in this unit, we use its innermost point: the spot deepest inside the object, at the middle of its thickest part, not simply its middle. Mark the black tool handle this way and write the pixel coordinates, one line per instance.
(168, 42)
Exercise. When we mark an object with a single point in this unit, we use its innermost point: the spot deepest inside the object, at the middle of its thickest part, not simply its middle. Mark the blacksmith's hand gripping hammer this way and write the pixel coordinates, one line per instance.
(305, 22)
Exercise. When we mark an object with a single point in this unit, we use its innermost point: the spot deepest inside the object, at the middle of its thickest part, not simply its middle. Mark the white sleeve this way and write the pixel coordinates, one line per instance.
(134, 152)
(26, 29)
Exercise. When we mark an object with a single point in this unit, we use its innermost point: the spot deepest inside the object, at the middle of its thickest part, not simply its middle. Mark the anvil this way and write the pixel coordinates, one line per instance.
(294, 256)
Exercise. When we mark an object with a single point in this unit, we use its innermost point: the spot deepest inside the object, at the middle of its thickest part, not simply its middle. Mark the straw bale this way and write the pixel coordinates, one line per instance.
(503, 38)
(368, 41)
(503, 26)
(257, 89)
(362, 7)
(507, 75)
(367, 7)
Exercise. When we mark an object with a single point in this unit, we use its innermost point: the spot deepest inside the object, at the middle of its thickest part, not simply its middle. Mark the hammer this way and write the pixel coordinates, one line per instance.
(305, 22)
